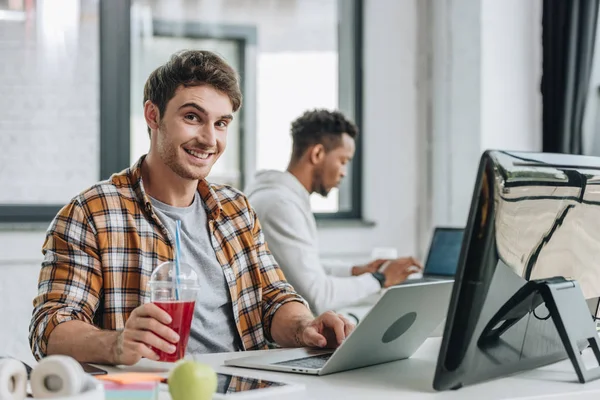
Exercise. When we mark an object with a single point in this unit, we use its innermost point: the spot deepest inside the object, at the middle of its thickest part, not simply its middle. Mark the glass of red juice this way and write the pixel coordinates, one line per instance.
(174, 289)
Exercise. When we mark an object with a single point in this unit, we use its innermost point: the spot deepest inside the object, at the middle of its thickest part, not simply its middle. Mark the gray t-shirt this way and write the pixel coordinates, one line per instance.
(213, 327)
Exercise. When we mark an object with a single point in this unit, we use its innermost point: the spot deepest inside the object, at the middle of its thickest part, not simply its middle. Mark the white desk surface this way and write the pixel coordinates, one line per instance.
(409, 379)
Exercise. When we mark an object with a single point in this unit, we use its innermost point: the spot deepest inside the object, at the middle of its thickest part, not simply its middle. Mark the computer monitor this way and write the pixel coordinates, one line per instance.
(532, 216)
(444, 251)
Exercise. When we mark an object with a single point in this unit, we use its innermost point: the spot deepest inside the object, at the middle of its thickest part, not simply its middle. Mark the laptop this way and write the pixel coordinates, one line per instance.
(442, 258)
(393, 329)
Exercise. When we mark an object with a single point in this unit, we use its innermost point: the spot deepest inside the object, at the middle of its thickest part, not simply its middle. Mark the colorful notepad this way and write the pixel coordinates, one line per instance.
(131, 386)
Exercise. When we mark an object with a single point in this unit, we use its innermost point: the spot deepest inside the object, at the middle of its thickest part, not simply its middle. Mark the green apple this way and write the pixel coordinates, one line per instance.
(190, 380)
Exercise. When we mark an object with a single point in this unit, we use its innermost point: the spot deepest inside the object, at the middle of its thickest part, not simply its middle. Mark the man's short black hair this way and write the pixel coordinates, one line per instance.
(320, 126)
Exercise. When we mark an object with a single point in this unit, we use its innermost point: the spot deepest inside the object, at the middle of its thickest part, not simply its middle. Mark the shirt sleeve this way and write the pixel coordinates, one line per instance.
(297, 252)
(276, 291)
(337, 268)
(70, 278)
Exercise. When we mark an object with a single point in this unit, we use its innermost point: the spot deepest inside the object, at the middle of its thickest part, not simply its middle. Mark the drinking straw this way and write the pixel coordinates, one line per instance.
(177, 257)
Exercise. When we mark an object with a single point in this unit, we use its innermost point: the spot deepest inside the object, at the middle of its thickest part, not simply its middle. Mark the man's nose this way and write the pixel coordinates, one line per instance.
(209, 136)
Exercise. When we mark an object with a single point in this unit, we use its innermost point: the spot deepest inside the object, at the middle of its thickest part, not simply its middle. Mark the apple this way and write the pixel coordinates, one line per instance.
(191, 380)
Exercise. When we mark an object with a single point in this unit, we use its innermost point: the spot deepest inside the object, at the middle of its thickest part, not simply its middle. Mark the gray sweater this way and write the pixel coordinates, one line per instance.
(283, 207)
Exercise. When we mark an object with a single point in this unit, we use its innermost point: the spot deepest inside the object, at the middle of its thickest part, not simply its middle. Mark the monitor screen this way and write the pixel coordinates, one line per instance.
(532, 216)
(444, 252)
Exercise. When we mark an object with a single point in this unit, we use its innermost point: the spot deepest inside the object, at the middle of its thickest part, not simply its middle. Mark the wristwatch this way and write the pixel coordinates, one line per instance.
(380, 278)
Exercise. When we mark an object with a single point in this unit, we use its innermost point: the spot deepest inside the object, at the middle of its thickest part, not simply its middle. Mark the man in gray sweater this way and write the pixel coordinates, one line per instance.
(323, 145)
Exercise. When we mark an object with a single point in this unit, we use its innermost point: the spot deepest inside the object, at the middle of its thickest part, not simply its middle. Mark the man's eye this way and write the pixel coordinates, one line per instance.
(221, 124)
(191, 117)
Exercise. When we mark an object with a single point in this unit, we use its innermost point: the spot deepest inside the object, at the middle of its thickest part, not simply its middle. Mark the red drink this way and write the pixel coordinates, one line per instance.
(181, 313)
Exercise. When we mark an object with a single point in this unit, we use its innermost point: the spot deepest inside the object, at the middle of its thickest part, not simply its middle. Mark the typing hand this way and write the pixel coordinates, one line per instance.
(146, 326)
(327, 330)
(396, 271)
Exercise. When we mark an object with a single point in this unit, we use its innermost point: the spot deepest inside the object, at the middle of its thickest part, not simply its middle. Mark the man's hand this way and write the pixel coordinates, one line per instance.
(399, 269)
(327, 330)
(371, 267)
(146, 326)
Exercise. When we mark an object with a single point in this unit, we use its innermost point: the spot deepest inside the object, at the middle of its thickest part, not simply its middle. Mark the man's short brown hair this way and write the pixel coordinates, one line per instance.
(192, 68)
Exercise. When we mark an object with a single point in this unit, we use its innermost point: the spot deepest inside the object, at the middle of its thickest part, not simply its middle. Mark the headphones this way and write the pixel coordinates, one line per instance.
(55, 377)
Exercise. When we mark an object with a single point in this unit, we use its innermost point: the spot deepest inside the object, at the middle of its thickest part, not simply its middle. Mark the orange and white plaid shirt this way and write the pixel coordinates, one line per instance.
(102, 247)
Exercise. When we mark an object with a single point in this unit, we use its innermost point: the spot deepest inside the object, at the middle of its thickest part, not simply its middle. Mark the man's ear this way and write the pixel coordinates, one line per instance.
(316, 154)
(151, 114)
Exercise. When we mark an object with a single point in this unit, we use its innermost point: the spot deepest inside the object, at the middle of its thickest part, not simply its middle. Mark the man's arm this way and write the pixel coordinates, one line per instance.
(276, 291)
(68, 297)
(70, 279)
(290, 240)
(83, 342)
(343, 269)
(86, 343)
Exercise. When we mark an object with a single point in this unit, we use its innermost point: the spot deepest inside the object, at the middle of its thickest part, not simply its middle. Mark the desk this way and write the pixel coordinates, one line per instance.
(411, 379)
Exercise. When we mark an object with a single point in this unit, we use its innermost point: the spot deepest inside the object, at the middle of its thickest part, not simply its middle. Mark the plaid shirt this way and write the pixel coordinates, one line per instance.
(102, 247)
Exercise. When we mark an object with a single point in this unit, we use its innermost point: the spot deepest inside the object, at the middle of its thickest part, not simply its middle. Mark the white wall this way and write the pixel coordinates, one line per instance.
(390, 133)
(511, 66)
(485, 83)
(456, 107)
(20, 259)
(426, 124)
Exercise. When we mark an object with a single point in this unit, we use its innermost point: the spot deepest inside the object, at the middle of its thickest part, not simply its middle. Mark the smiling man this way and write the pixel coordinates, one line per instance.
(102, 247)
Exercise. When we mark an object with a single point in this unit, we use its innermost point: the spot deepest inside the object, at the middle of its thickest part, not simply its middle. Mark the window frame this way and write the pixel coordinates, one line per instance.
(350, 95)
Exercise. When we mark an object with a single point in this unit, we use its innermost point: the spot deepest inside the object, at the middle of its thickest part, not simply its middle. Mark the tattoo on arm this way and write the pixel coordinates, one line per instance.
(301, 324)
(299, 331)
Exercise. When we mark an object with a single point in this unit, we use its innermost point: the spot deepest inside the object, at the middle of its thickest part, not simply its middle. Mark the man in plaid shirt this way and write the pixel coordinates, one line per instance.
(102, 247)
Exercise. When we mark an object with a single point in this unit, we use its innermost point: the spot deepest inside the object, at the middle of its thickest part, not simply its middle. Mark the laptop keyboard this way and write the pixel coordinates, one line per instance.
(314, 362)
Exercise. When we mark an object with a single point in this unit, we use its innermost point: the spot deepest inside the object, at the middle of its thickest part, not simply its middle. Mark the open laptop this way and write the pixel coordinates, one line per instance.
(392, 330)
(443, 255)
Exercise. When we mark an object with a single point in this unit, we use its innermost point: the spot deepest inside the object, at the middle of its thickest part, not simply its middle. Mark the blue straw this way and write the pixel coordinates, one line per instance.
(177, 257)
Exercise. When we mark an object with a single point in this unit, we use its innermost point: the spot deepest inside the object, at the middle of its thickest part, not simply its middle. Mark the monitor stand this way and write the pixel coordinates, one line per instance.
(566, 306)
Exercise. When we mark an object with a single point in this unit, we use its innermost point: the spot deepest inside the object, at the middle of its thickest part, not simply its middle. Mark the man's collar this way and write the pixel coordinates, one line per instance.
(209, 197)
(294, 184)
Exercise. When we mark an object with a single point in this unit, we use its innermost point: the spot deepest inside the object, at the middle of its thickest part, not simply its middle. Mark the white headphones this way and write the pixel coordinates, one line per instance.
(55, 377)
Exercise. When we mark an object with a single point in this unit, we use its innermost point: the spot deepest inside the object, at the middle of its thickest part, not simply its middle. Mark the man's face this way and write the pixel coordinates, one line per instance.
(192, 133)
(332, 168)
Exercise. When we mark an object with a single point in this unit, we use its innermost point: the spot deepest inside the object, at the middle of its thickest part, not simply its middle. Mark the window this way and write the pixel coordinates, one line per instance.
(50, 104)
(292, 55)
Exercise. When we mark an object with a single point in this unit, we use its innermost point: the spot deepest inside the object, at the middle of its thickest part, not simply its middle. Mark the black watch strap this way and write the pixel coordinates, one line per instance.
(380, 277)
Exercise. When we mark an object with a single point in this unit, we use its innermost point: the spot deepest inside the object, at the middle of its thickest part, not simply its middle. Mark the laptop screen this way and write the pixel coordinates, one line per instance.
(444, 252)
